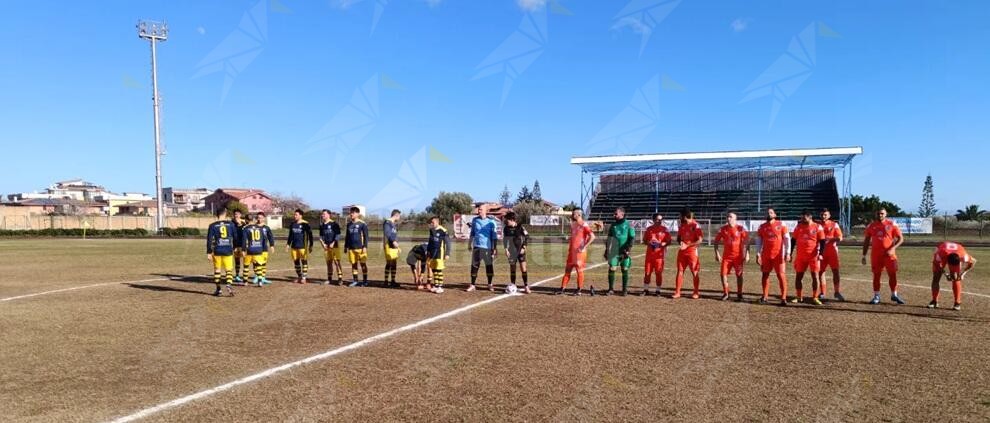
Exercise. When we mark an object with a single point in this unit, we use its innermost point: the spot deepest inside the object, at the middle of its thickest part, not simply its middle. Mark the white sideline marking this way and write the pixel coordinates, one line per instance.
(364, 342)
(922, 287)
(95, 285)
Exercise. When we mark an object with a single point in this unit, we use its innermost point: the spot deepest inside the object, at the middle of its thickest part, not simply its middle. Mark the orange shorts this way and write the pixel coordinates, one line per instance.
(830, 261)
(770, 264)
(883, 262)
(654, 265)
(940, 267)
(578, 260)
(803, 264)
(732, 264)
(688, 261)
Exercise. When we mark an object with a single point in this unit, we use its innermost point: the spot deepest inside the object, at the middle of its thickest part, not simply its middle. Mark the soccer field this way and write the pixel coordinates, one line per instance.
(96, 330)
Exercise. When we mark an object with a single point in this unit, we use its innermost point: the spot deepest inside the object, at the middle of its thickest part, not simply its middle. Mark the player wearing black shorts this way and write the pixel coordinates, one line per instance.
(416, 259)
(514, 239)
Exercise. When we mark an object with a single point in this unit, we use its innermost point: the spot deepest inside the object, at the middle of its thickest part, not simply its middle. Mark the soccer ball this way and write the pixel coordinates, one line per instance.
(511, 289)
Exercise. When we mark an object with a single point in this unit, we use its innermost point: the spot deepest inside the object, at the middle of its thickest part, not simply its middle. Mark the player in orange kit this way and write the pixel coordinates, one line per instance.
(689, 236)
(948, 260)
(577, 252)
(771, 254)
(809, 242)
(656, 238)
(735, 253)
(830, 257)
(884, 236)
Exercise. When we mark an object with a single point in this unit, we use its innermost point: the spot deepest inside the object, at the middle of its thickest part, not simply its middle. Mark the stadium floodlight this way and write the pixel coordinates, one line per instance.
(155, 32)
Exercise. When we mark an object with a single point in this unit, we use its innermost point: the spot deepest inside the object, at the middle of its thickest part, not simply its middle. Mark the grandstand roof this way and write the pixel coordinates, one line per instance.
(809, 158)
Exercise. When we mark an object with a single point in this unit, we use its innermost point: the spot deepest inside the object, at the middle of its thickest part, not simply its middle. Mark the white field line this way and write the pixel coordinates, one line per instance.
(96, 285)
(975, 294)
(322, 356)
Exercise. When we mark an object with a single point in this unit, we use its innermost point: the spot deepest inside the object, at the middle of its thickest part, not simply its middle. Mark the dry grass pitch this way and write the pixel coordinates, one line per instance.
(142, 330)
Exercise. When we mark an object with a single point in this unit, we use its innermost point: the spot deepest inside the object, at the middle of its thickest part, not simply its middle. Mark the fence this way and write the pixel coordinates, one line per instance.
(25, 222)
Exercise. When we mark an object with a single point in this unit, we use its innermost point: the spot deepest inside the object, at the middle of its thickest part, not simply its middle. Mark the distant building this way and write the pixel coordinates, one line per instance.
(145, 208)
(186, 200)
(114, 201)
(74, 189)
(255, 199)
(62, 206)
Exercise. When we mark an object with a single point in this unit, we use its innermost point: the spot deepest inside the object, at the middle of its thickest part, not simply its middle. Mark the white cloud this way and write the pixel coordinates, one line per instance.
(531, 5)
(739, 24)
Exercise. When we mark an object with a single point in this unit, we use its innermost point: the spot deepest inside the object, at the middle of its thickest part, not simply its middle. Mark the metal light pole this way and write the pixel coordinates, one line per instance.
(155, 32)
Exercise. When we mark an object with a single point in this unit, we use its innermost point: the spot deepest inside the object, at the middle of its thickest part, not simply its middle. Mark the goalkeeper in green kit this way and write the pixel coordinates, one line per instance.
(621, 237)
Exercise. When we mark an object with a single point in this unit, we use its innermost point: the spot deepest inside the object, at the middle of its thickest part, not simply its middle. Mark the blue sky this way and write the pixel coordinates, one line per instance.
(389, 102)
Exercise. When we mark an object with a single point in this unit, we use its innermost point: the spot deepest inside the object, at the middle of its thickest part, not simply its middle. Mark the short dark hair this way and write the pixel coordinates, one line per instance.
(954, 259)
(396, 212)
(687, 214)
(238, 211)
(806, 212)
(656, 215)
(437, 218)
(299, 211)
(325, 211)
(577, 209)
(826, 210)
(355, 210)
(220, 212)
(261, 213)
(510, 216)
(621, 209)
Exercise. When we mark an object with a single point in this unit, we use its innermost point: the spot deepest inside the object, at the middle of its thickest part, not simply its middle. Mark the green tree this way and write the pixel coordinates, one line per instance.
(525, 209)
(864, 208)
(447, 204)
(524, 194)
(927, 208)
(235, 205)
(505, 197)
(971, 212)
(537, 192)
(570, 206)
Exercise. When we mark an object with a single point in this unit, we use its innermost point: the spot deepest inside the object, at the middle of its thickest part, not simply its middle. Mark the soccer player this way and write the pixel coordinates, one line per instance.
(771, 255)
(577, 252)
(300, 244)
(484, 246)
(950, 256)
(261, 220)
(621, 237)
(356, 247)
(437, 253)
(390, 243)
(657, 238)
(239, 264)
(515, 238)
(884, 236)
(806, 251)
(221, 240)
(329, 235)
(257, 244)
(735, 253)
(689, 236)
(830, 258)
(417, 264)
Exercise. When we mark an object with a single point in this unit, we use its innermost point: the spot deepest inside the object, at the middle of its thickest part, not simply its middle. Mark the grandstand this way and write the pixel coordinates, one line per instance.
(710, 184)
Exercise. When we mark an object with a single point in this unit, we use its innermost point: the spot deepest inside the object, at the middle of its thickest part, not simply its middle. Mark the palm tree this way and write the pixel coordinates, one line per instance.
(971, 212)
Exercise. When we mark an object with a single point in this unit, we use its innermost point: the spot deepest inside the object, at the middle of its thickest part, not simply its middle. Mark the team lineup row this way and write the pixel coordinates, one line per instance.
(233, 246)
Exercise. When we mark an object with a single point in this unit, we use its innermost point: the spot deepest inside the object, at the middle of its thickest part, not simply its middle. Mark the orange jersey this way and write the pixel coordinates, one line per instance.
(733, 240)
(772, 236)
(653, 237)
(882, 236)
(833, 233)
(807, 237)
(945, 249)
(690, 233)
(580, 235)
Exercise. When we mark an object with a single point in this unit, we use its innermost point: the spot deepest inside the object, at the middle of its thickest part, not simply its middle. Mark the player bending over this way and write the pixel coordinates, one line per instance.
(515, 238)
(884, 236)
(356, 247)
(437, 253)
(948, 260)
(806, 251)
(417, 265)
(734, 255)
(621, 237)
(300, 244)
(221, 240)
(390, 243)
(577, 252)
(656, 238)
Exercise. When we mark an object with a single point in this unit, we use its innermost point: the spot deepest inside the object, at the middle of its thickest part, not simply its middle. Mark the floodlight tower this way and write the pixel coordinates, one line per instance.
(155, 32)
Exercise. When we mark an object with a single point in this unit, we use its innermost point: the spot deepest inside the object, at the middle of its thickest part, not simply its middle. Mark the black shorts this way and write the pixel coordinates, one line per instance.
(481, 254)
(515, 256)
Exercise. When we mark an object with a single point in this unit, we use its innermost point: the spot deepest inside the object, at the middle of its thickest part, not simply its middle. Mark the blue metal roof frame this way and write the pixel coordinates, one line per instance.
(817, 158)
